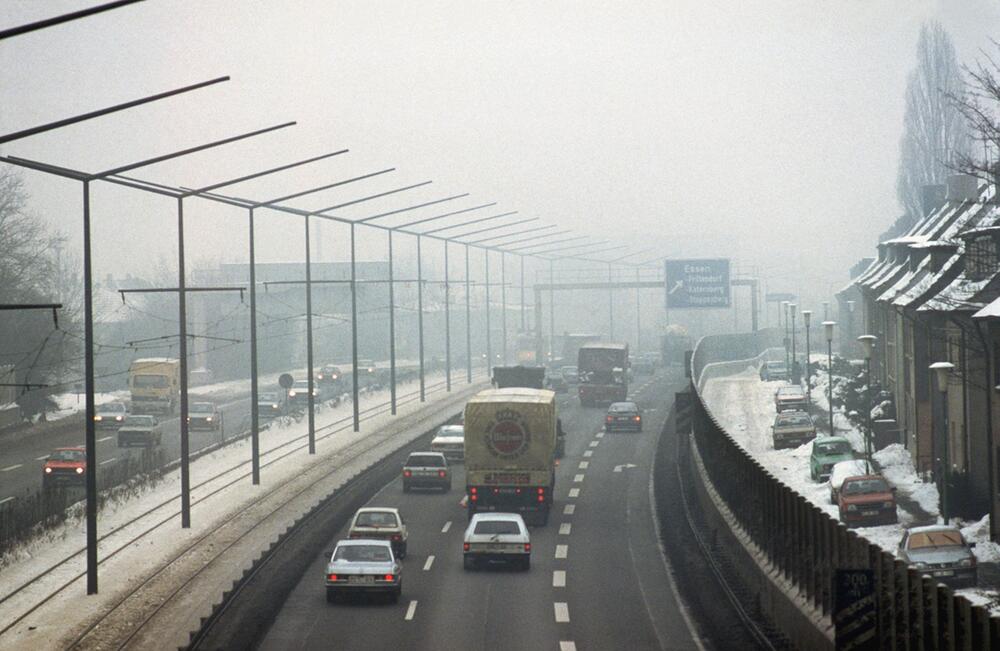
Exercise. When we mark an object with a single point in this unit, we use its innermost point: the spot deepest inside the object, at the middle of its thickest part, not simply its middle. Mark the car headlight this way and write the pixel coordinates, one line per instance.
(888, 505)
(918, 565)
(852, 507)
(48, 470)
(967, 562)
(79, 471)
(274, 406)
(119, 418)
(208, 419)
(291, 394)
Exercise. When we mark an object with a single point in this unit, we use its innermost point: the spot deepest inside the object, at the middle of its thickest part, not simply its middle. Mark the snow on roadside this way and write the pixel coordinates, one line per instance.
(71, 403)
(897, 467)
(985, 550)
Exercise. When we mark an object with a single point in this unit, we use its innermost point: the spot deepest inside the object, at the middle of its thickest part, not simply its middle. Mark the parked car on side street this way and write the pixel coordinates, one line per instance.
(940, 552)
(841, 471)
(827, 452)
(867, 500)
(499, 537)
(790, 398)
(426, 470)
(771, 371)
(363, 566)
(110, 415)
(204, 415)
(792, 429)
(65, 466)
(380, 523)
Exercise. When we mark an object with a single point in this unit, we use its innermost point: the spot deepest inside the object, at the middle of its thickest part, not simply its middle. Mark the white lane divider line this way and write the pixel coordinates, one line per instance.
(44, 457)
(577, 478)
(9, 468)
(6, 499)
(106, 438)
(584, 465)
(444, 529)
(594, 444)
(574, 492)
(569, 509)
(108, 461)
(559, 578)
(567, 645)
(600, 435)
(562, 612)
(588, 453)
(562, 551)
(565, 528)
(411, 611)
(430, 561)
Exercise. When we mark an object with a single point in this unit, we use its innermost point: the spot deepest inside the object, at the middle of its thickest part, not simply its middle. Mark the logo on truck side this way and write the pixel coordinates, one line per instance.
(507, 435)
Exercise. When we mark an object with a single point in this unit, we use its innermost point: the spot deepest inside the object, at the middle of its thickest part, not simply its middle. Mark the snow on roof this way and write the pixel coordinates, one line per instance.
(935, 244)
(929, 282)
(991, 311)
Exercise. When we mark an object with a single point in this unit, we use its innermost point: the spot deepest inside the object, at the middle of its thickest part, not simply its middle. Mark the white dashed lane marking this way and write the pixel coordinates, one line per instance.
(600, 435)
(411, 611)
(430, 561)
(106, 438)
(559, 578)
(42, 458)
(569, 509)
(562, 551)
(567, 645)
(588, 453)
(9, 468)
(594, 444)
(6, 499)
(108, 461)
(562, 612)
(447, 525)
(574, 492)
(577, 478)
(564, 528)
(584, 465)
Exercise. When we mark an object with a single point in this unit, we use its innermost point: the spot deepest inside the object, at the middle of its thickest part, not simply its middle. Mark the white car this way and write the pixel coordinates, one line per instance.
(496, 537)
(358, 566)
(841, 471)
(378, 523)
(450, 441)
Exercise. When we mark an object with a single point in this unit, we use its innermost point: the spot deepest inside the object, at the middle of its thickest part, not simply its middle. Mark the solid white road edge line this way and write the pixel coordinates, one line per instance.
(559, 578)
(562, 551)
(430, 561)
(447, 525)
(561, 611)
(411, 611)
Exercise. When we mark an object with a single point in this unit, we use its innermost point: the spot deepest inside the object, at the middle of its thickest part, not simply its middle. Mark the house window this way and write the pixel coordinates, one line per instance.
(981, 258)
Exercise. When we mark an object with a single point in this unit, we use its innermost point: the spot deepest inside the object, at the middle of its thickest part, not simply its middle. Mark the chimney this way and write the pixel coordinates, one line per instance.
(963, 187)
(932, 197)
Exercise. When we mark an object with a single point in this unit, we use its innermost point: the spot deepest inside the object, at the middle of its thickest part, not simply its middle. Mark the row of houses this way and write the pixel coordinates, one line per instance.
(933, 295)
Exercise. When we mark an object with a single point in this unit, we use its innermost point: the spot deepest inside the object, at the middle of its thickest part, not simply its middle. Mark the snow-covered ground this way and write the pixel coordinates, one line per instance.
(744, 405)
(145, 554)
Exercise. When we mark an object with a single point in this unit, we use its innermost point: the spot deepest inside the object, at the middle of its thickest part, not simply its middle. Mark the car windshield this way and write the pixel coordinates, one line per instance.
(362, 554)
(267, 397)
(623, 407)
(140, 421)
(376, 519)
(930, 539)
(67, 455)
(112, 407)
(426, 460)
(301, 384)
(492, 527)
(202, 407)
(864, 486)
(776, 366)
(790, 392)
(833, 447)
(794, 419)
(150, 381)
(451, 430)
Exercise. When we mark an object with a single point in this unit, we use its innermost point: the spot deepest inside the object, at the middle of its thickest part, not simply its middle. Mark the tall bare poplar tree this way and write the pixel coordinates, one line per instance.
(979, 102)
(935, 136)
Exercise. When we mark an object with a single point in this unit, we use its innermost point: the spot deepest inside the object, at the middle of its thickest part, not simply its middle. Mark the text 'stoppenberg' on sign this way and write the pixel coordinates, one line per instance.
(697, 283)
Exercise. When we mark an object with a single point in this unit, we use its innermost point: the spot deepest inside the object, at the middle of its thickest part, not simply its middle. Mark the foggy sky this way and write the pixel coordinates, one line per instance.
(762, 130)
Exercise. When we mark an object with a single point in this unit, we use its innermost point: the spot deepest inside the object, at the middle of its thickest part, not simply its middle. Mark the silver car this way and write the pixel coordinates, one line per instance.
(940, 552)
(363, 566)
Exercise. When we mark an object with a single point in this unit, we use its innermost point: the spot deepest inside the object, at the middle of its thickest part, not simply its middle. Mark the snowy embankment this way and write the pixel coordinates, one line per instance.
(211, 503)
(744, 406)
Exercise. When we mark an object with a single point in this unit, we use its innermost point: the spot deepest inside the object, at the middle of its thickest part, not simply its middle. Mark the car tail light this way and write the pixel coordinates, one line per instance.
(496, 491)
(441, 473)
(332, 577)
(473, 490)
(608, 419)
(527, 547)
(465, 546)
(389, 577)
(517, 491)
(473, 497)
(396, 537)
(407, 473)
(541, 494)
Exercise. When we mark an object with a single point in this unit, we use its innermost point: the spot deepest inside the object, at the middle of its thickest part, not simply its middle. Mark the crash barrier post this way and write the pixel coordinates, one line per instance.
(805, 546)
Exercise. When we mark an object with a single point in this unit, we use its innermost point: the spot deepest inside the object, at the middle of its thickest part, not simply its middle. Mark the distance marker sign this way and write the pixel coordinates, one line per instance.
(697, 283)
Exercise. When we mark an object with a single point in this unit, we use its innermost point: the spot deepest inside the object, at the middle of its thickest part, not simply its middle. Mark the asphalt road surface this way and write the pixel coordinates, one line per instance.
(597, 579)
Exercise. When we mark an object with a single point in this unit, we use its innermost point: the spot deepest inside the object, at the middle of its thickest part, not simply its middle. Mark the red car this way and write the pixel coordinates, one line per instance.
(65, 466)
(867, 500)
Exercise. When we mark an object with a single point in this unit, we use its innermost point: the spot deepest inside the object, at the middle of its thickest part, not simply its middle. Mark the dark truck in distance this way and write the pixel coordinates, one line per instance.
(603, 370)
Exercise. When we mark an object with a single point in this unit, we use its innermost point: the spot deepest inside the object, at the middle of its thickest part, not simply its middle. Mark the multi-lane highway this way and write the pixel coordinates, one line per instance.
(598, 579)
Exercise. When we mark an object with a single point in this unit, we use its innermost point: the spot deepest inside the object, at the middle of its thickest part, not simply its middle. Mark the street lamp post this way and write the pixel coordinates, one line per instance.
(942, 370)
(868, 345)
(796, 378)
(784, 314)
(806, 318)
(828, 325)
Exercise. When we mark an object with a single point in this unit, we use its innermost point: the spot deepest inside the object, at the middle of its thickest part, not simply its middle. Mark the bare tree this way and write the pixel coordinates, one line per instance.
(935, 137)
(979, 103)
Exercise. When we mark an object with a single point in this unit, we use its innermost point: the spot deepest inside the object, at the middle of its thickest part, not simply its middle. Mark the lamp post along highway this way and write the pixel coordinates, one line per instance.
(806, 317)
(828, 326)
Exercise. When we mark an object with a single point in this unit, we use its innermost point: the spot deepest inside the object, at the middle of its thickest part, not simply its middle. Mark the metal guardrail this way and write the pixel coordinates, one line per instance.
(807, 546)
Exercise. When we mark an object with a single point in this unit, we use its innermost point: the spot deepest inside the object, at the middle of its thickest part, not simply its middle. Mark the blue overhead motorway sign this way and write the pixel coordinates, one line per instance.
(697, 283)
